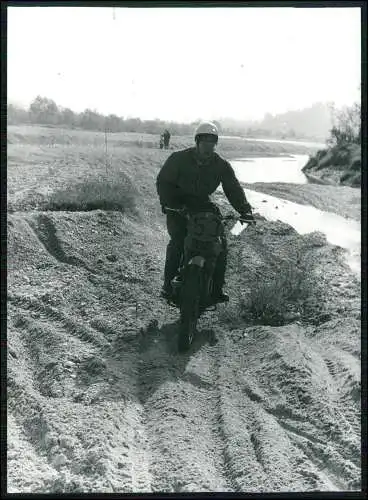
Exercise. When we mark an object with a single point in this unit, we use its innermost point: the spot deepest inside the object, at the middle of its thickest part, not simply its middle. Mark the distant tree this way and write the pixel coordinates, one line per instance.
(133, 125)
(16, 115)
(153, 126)
(68, 118)
(44, 111)
(91, 120)
(347, 126)
(114, 124)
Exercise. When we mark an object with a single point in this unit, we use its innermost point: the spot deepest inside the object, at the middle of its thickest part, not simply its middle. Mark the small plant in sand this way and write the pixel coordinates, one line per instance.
(112, 192)
(277, 300)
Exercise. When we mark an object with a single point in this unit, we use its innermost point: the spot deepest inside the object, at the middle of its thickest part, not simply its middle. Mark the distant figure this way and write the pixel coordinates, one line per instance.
(167, 136)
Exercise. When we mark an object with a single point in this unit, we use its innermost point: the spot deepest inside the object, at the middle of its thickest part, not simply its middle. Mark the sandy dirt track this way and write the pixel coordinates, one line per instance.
(99, 400)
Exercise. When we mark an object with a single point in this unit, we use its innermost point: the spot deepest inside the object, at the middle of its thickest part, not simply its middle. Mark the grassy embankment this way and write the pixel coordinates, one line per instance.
(339, 165)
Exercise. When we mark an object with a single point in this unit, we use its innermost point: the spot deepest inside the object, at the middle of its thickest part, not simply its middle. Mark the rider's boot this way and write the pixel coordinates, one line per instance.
(220, 296)
(166, 292)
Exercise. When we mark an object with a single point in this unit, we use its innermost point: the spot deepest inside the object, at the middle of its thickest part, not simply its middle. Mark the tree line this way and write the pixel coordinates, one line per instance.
(44, 111)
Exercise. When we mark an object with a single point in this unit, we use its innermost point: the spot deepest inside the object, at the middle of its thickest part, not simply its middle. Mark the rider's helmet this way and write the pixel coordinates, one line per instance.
(206, 128)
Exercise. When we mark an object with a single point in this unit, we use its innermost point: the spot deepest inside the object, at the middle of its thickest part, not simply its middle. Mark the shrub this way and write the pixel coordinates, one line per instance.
(92, 194)
(351, 178)
(356, 165)
(277, 300)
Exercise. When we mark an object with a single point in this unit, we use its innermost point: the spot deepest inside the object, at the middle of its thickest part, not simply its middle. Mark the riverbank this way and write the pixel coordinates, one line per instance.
(340, 200)
(338, 165)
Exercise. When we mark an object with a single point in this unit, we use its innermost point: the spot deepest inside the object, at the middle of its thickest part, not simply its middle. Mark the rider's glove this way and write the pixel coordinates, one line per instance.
(164, 207)
(164, 211)
(247, 217)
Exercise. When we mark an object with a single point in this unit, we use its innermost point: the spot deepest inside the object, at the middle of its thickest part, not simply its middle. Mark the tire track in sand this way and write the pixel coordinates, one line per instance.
(277, 449)
(180, 395)
(46, 232)
(51, 315)
(134, 456)
(105, 420)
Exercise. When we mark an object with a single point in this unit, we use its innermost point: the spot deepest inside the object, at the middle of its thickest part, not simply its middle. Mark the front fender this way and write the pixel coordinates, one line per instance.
(198, 260)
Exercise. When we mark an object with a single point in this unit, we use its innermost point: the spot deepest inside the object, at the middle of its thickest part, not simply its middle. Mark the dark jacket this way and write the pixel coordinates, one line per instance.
(182, 181)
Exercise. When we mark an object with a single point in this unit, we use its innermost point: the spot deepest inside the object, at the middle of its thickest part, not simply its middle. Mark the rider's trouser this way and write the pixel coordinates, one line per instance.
(177, 229)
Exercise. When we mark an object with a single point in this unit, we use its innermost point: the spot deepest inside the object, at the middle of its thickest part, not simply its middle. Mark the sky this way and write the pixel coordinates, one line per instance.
(183, 64)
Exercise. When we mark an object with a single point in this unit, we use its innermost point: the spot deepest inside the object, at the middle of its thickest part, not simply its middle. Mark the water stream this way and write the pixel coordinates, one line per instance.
(340, 231)
(310, 144)
(271, 169)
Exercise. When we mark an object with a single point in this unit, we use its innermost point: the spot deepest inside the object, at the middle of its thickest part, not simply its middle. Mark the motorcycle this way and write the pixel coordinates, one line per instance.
(193, 285)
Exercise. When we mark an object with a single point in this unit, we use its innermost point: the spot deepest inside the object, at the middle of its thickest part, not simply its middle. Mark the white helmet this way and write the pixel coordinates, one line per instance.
(206, 128)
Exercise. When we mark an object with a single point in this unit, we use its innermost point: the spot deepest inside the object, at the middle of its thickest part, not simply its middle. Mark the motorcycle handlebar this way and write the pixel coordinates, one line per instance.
(239, 218)
(184, 212)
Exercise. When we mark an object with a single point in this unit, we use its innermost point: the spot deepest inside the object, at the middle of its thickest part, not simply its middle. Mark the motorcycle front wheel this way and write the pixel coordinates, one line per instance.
(190, 306)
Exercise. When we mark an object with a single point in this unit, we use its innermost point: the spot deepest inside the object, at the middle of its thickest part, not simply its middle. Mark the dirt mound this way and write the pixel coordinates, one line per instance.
(100, 400)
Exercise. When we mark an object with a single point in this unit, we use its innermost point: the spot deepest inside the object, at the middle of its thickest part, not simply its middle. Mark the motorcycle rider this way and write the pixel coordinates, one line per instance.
(187, 179)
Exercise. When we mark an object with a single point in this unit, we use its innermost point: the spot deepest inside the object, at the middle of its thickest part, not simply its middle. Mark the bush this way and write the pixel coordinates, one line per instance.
(16, 115)
(278, 300)
(351, 179)
(105, 193)
(356, 165)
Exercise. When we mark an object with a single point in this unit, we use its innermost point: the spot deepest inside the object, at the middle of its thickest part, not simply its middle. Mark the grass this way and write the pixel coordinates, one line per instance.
(96, 191)
(229, 147)
(113, 193)
(275, 298)
(276, 302)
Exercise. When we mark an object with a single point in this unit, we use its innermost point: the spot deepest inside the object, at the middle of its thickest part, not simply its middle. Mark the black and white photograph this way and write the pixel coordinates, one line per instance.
(183, 190)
